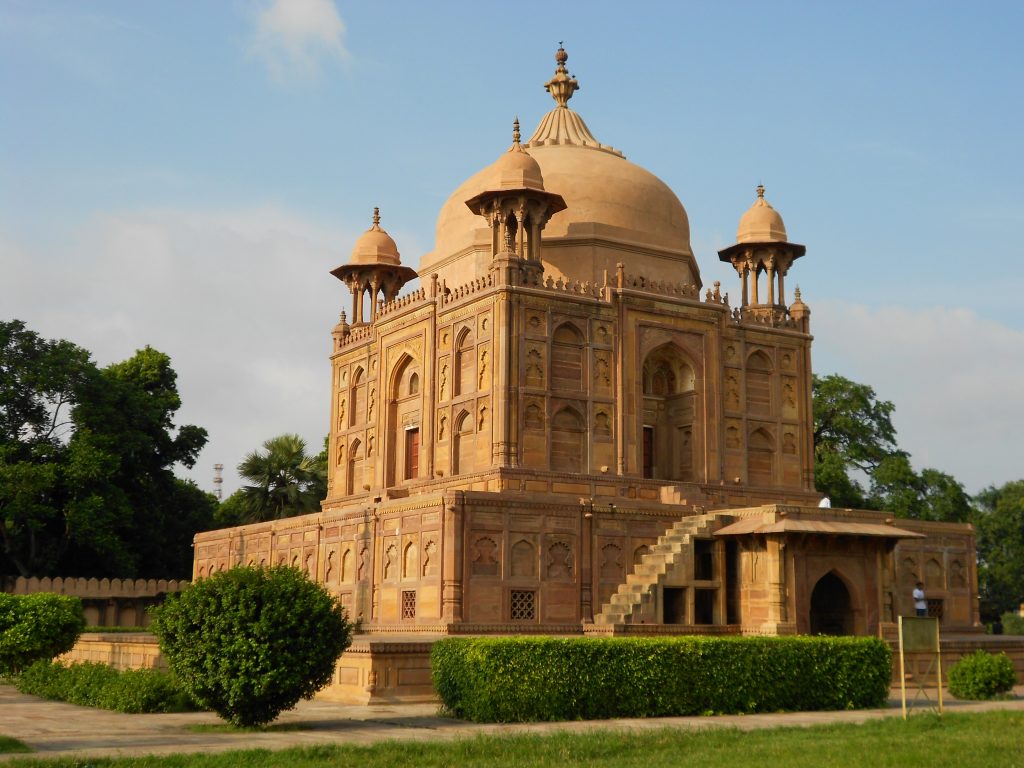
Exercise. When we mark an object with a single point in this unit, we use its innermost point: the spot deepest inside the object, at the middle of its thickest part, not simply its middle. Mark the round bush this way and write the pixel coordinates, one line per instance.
(250, 642)
(35, 627)
(981, 676)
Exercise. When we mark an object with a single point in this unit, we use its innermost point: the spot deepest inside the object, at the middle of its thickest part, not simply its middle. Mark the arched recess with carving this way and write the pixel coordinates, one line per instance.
(404, 409)
(760, 384)
(357, 399)
(670, 424)
(523, 560)
(463, 444)
(761, 457)
(567, 355)
(464, 380)
(568, 441)
(356, 468)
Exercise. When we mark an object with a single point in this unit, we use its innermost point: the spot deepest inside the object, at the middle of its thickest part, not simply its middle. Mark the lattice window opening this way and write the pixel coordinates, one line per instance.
(408, 603)
(523, 605)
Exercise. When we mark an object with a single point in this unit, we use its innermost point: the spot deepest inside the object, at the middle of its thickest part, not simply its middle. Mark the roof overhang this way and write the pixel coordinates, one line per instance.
(758, 526)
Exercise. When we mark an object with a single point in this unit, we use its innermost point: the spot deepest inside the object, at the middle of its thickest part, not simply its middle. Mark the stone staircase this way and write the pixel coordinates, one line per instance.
(636, 600)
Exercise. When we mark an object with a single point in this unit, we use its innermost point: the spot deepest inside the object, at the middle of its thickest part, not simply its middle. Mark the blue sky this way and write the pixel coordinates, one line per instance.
(185, 174)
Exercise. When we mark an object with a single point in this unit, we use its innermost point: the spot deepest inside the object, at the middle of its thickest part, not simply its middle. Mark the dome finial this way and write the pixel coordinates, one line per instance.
(561, 86)
(515, 131)
(376, 218)
(760, 191)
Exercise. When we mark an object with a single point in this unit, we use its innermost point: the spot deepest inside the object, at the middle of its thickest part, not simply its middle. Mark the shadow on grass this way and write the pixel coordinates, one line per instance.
(9, 746)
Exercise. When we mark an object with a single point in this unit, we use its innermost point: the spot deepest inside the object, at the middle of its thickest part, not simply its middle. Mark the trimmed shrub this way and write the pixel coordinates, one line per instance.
(250, 642)
(982, 676)
(89, 684)
(39, 626)
(1013, 624)
(527, 679)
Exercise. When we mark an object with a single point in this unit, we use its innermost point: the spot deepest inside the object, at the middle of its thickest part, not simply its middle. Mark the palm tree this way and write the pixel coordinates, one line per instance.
(283, 480)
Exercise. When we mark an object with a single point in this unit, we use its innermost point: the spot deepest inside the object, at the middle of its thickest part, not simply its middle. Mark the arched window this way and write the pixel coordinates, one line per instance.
(414, 384)
(567, 358)
(568, 435)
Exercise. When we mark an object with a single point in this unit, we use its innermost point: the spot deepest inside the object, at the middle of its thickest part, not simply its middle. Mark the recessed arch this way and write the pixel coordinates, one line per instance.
(463, 444)
(669, 384)
(568, 441)
(832, 609)
(567, 348)
(465, 362)
(761, 457)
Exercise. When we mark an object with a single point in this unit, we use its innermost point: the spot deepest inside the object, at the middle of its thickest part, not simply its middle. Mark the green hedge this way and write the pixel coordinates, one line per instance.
(38, 626)
(982, 676)
(250, 642)
(527, 679)
(1013, 624)
(89, 684)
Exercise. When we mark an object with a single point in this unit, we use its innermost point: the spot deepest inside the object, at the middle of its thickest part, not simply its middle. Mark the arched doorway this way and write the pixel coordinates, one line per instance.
(831, 607)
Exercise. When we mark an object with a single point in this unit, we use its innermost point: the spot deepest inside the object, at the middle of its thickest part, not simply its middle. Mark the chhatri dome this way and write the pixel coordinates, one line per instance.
(375, 246)
(616, 211)
(761, 223)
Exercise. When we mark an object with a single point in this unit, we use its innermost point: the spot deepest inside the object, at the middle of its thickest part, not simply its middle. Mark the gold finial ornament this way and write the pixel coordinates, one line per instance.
(515, 131)
(376, 218)
(561, 86)
(760, 191)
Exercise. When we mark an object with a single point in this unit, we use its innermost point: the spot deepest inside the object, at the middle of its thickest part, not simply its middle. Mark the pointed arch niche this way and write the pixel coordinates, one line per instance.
(568, 442)
(404, 409)
(669, 416)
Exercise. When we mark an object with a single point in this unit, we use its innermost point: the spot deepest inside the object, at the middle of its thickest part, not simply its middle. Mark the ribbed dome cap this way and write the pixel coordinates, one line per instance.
(375, 246)
(761, 223)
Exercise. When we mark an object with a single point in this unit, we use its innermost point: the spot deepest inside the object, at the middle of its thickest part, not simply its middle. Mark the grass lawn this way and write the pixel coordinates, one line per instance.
(961, 741)
(8, 745)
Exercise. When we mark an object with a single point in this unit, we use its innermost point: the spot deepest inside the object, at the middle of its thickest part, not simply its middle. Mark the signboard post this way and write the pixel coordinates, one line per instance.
(920, 636)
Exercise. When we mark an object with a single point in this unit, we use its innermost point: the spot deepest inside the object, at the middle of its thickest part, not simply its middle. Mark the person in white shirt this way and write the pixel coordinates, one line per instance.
(920, 604)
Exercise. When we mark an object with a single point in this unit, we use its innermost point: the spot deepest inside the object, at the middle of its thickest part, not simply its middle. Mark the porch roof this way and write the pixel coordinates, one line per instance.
(759, 525)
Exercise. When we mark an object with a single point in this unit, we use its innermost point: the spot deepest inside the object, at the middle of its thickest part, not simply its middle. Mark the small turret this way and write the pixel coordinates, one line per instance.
(375, 266)
(762, 247)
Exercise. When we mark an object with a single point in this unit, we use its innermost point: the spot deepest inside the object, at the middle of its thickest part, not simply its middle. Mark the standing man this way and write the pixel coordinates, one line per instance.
(920, 604)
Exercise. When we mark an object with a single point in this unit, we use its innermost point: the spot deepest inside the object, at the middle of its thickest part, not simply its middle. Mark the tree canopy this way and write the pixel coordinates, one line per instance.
(283, 481)
(86, 463)
(999, 524)
(855, 446)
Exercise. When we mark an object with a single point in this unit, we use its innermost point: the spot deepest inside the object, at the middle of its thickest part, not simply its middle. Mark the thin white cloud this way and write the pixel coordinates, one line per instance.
(241, 300)
(295, 37)
(954, 377)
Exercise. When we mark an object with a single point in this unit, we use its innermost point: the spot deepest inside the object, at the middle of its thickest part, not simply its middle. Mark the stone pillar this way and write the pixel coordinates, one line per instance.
(586, 561)
(452, 556)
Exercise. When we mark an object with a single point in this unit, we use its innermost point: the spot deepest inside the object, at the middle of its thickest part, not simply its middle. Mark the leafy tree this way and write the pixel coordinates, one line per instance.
(250, 642)
(854, 436)
(283, 480)
(930, 495)
(36, 627)
(129, 417)
(999, 526)
(853, 431)
(231, 511)
(86, 463)
(41, 502)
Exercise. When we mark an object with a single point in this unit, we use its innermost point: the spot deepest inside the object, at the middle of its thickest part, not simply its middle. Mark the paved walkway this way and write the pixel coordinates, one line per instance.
(56, 729)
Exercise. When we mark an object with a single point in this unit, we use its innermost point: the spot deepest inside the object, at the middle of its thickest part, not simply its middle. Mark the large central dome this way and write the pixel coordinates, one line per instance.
(616, 211)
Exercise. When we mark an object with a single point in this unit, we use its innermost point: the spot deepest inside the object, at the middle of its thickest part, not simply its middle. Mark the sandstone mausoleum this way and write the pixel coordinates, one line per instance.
(563, 429)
